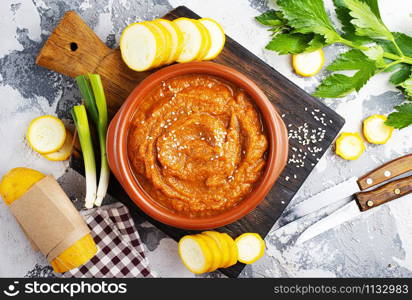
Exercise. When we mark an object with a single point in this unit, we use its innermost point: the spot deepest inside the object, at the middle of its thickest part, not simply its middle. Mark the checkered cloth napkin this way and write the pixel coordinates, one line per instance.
(120, 250)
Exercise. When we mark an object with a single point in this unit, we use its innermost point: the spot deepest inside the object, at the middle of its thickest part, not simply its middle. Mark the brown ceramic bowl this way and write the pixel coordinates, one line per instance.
(117, 140)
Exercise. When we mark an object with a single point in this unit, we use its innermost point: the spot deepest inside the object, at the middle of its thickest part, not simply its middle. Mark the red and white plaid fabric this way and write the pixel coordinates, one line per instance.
(120, 251)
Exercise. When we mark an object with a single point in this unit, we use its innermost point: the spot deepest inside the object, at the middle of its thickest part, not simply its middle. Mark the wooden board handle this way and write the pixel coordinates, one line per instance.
(390, 191)
(73, 48)
(387, 171)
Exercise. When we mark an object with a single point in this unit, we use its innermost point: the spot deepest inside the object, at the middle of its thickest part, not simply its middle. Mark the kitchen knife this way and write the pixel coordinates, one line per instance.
(309, 211)
(341, 192)
(363, 202)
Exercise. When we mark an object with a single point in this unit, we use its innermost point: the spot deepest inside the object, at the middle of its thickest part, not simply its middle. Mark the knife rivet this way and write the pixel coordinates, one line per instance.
(387, 173)
(397, 191)
(369, 203)
(369, 181)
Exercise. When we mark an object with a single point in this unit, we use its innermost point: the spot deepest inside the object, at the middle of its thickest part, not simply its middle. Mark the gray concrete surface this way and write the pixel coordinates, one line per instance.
(377, 244)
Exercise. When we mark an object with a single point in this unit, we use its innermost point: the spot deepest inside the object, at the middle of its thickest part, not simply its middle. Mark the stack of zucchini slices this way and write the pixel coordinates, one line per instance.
(151, 44)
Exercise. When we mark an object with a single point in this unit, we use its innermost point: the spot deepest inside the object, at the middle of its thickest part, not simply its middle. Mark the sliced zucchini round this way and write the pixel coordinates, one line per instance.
(46, 134)
(141, 47)
(217, 36)
(251, 247)
(164, 48)
(176, 42)
(195, 254)
(376, 131)
(193, 39)
(350, 145)
(64, 152)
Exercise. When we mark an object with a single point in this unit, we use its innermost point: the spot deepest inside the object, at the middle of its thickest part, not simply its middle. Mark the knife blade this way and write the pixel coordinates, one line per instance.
(363, 202)
(340, 216)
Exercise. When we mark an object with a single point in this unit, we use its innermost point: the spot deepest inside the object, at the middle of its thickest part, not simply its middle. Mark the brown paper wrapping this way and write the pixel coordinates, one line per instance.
(48, 218)
(32, 244)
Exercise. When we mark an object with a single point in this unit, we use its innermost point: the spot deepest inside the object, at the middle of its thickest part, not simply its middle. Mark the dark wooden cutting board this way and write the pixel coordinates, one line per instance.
(312, 126)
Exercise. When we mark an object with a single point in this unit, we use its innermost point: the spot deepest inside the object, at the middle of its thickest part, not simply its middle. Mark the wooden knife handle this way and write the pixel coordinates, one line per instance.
(387, 192)
(73, 48)
(387, 171)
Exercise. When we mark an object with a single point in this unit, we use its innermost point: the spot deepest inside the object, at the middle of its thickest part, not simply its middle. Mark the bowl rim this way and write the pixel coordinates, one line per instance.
(121, 166)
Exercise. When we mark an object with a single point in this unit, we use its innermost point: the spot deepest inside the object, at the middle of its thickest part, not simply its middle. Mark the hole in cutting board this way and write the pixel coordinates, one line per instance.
(73, 46)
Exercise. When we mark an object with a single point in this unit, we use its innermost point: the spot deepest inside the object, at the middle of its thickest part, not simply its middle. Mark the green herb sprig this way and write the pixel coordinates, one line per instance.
(304, 26)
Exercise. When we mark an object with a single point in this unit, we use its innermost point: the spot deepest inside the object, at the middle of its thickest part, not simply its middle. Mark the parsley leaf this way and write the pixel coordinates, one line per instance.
(274, 19)
(342, 12)
(285, 39)
(366, 22)
(402, 40)
(402, 117)
(403, 72)
(303, 26)
(309, 16)
(375, 53)
(316, 43)
(339, 85)
(351, 60)
(271, 18)
(294, 43)
(407, 85)
(285, 43)
(335, 86)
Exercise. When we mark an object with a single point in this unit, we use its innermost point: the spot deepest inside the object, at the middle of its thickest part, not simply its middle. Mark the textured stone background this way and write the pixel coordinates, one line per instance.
(378, 244)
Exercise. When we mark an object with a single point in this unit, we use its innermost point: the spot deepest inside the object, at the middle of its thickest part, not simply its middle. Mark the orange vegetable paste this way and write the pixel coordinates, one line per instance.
(197, 145)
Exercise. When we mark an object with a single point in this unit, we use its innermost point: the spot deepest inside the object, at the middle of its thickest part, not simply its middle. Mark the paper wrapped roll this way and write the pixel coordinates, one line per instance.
(48, 218)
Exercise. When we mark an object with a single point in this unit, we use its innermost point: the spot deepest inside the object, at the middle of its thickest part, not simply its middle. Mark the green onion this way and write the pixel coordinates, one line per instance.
(82, 125)
(100, 98)
(91, 88)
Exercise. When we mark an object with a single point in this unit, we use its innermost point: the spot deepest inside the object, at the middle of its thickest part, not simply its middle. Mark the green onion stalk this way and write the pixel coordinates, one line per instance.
(91, 88)
(82, 125)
